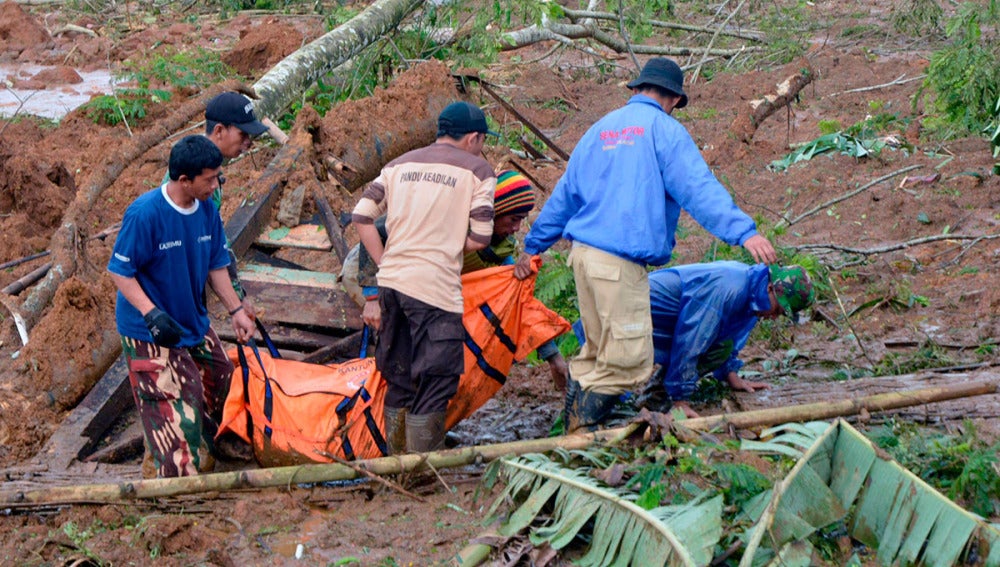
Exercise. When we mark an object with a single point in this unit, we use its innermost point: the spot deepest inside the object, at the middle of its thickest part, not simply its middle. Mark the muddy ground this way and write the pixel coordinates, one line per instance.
(926, 304)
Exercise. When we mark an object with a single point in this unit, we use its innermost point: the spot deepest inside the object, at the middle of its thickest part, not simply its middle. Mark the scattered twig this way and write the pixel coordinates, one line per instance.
(368, 474)
(898, 245)
(624, 34)
(586, 14)
(898, 81)
(527, 123)
(708, 49)
(847, 321)
(846, 196)
(76, 29)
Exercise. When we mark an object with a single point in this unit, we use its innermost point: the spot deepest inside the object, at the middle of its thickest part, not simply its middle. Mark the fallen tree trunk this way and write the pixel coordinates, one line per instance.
(741, 131)
(294, 74)
(285, 476)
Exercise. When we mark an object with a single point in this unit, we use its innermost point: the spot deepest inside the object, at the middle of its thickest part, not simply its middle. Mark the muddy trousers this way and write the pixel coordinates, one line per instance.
(420, 355)
(179, 393)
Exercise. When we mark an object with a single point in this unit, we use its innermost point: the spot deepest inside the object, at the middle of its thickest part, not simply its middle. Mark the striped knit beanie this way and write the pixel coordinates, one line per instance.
(514, 194)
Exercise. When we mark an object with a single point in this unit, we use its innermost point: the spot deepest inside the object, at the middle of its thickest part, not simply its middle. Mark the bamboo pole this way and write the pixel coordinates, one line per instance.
(305, 474)
(827, 410)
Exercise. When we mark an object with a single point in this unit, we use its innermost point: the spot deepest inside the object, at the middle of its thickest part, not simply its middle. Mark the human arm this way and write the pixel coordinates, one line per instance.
(481, 215)
(557, 211)
(691, 183)
(164, 330)
(761, 249)
(218, 280)
(558, 368)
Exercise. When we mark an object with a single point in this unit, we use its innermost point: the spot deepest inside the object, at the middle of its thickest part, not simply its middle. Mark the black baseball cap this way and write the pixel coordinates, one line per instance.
(234, 109)
(459, 118)
(664, 73)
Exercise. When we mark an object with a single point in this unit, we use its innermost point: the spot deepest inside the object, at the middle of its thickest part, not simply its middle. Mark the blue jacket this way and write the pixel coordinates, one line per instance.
(697, 306)
(625, 185)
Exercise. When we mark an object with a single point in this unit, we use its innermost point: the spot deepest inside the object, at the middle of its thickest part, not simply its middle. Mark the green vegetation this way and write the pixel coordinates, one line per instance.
(152, 78)
(961, 465)
(964, 76)
(866, 138)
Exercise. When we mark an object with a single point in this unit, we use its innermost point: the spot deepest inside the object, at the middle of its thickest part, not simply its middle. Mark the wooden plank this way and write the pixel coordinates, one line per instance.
(282, 335)
(333, 229)
(305, 236)
(279, 275)
(84, 427)
(250, 220)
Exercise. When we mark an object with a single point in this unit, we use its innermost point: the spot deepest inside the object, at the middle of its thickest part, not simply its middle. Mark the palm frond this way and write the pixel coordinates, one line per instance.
(623, 532)
(893, 511)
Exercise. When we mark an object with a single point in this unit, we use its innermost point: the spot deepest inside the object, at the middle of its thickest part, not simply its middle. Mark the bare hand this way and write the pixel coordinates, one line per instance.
(559, 371)
(372, 315)
(686, 408)
(243, 326)
(523, 269)
(248, 307)
(761, 250)
(737, 383)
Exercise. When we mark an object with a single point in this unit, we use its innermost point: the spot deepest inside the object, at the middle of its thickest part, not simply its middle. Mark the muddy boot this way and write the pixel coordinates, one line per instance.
(425, 432)
(588, 410)
(560, 427)
(394, 422)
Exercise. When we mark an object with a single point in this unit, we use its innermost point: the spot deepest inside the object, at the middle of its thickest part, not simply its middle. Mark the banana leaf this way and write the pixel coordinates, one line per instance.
(623, 533)
(842, 477)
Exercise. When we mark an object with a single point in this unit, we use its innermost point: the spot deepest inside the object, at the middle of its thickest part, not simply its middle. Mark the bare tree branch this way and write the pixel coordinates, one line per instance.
(846, 196)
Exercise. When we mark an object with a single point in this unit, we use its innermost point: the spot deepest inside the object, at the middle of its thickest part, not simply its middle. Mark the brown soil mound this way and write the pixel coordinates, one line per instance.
(262, 46)
(18, 30)
(60, 75)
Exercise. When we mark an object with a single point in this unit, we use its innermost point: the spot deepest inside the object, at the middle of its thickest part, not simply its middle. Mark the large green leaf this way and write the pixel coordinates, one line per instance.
(623, 532)
(893, 511)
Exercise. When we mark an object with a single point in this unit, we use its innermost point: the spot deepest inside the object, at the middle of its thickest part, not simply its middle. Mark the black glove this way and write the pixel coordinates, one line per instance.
(166, 332)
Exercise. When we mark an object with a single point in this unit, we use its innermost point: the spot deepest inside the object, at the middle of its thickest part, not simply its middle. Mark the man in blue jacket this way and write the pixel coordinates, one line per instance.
(703, 313)
(618, 203)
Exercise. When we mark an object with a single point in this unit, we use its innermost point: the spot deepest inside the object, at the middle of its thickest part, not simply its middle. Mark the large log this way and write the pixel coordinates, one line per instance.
(294, 74)
(285, 476)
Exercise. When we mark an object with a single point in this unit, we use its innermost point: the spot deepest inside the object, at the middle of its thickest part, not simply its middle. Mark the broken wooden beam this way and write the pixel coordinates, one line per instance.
(22, 283)
(333, 229)
(250, 220)
(345, 348)
(299, 297)
(87, 423)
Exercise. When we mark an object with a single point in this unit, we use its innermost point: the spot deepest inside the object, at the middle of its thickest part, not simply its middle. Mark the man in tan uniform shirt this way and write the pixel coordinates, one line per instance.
(438, 202)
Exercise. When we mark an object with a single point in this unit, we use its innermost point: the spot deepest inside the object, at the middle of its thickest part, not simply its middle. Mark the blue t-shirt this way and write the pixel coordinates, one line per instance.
(170, 251)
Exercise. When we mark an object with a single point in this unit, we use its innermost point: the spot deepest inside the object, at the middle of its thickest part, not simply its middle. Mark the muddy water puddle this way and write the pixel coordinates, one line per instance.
(54, 101)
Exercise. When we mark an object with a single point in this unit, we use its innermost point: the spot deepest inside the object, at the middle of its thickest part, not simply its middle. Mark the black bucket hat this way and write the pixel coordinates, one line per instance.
(664, 73)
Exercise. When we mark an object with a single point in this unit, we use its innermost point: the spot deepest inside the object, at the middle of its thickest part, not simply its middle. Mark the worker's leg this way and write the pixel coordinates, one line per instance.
(613, 295)
(392, 358)
(438, 361)
(168, 392)
(216, 374)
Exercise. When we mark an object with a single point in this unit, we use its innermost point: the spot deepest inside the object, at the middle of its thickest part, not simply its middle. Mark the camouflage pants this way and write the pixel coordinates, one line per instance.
(179, 393)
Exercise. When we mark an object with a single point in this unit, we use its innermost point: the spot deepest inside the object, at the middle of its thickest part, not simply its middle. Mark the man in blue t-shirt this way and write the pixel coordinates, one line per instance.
(170, 245)
(618, 203)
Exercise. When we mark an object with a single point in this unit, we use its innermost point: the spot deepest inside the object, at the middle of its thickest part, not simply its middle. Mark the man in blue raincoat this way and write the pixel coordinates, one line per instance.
(704, 313)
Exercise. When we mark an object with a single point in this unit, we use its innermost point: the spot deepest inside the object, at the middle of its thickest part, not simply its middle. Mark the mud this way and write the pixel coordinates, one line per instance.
(41, 168)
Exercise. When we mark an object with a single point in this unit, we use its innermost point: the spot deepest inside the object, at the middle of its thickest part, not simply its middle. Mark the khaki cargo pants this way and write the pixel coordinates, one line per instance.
(613, 294)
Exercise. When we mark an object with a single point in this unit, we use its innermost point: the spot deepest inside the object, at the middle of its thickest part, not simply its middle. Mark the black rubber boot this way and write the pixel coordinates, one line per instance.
(588, 410)
(424, 433)
(395, 429)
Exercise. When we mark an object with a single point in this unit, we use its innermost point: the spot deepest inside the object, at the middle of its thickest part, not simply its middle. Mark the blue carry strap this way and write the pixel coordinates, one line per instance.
(268, 394)
(267, 339)
(364, 342)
